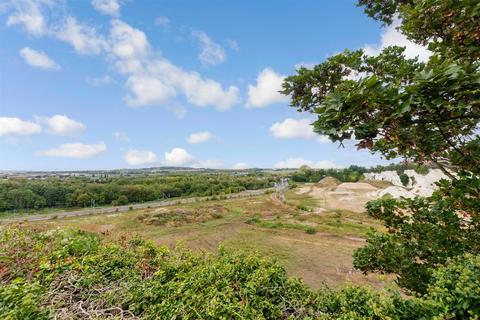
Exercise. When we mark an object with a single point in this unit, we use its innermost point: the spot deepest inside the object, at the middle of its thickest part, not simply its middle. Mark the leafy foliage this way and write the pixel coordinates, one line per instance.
(457, 287)
(22, 194)
(398, 106)
(424, 112)
(449, 27)
(350, 174)
(72, 274)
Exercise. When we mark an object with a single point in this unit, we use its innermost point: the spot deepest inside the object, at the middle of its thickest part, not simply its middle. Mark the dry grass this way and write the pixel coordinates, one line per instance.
(324, 256)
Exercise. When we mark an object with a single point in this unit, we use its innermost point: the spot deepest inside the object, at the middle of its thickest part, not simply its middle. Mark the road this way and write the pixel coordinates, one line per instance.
(102, 210)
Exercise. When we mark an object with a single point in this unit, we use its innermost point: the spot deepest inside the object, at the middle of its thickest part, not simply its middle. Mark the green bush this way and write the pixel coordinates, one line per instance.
(421, 169)
(310, 230)
(71, 274)
(404, 179)
(456, 287)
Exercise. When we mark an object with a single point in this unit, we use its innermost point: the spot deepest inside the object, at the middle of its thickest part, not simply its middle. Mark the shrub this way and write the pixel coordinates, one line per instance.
(71, 274)
(421, 169)
(310, 230)
(456, 287)
(404, 179)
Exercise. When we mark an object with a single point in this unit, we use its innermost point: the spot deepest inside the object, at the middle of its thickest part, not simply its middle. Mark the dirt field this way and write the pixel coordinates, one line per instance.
(333, 195)
(313, 233)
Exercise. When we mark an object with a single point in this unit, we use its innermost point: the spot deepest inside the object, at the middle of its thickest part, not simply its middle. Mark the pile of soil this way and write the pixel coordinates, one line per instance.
(328, 182)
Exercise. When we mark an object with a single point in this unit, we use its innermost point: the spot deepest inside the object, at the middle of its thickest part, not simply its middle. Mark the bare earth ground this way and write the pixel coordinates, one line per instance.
(278, 229)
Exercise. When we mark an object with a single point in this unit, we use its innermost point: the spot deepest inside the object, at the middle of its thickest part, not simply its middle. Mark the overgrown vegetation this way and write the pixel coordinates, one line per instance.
(178, 217)
(23, 194)
(71, 275)
(425, 112)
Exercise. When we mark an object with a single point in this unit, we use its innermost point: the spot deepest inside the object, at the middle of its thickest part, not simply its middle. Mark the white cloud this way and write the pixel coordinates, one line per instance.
(99, 81)
(266, 91)
(28, 14)
(121, 136)
(84, 39)
(292, 129)
(162, 22)
(148, 90)
(211, 53)
(179, 157)
(298, 162)
(140, 157)
(392, 37)
(241, 166)
(61, 125)
(199, 137)
(151, 78)
(167, 78)
(16, 126)
(128, 42)
(75, 150)
(155, 80)
(38, 59)
(108, 7)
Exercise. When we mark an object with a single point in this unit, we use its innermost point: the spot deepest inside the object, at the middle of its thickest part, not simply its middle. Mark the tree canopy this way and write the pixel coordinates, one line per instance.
(421, 111)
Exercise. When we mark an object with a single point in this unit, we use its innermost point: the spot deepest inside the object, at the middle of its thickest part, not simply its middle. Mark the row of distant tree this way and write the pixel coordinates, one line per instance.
(23, 194)
(354, 173)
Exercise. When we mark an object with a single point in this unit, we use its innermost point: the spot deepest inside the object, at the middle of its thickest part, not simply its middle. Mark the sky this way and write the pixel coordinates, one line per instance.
(106, 84)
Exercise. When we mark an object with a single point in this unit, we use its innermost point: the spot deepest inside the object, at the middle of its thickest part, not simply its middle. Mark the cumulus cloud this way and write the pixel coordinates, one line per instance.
(162, 79)
(292, 128)
(29, 15)
(392, 37)
(199, 137)
(179, 157)
(75, 150)
(266, 91)
(18, 127)
(148, 90)
(140, 157)
(211, 53)
(61, 125)
(38, 59)
(298, 162)
(151, 79)
(108, 7)
(128, 42)
(241, 166)
(84, 39)
(154, 80)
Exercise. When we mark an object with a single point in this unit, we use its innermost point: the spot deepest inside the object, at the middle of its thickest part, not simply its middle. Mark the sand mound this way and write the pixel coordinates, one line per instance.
(355, 186)
(328, 182)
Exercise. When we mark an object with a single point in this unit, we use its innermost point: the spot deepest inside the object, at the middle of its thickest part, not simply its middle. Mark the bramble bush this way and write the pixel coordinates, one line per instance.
(67, 274)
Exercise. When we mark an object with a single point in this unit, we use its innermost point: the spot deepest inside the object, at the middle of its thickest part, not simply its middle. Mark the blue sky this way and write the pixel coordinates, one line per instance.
(111, 84)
